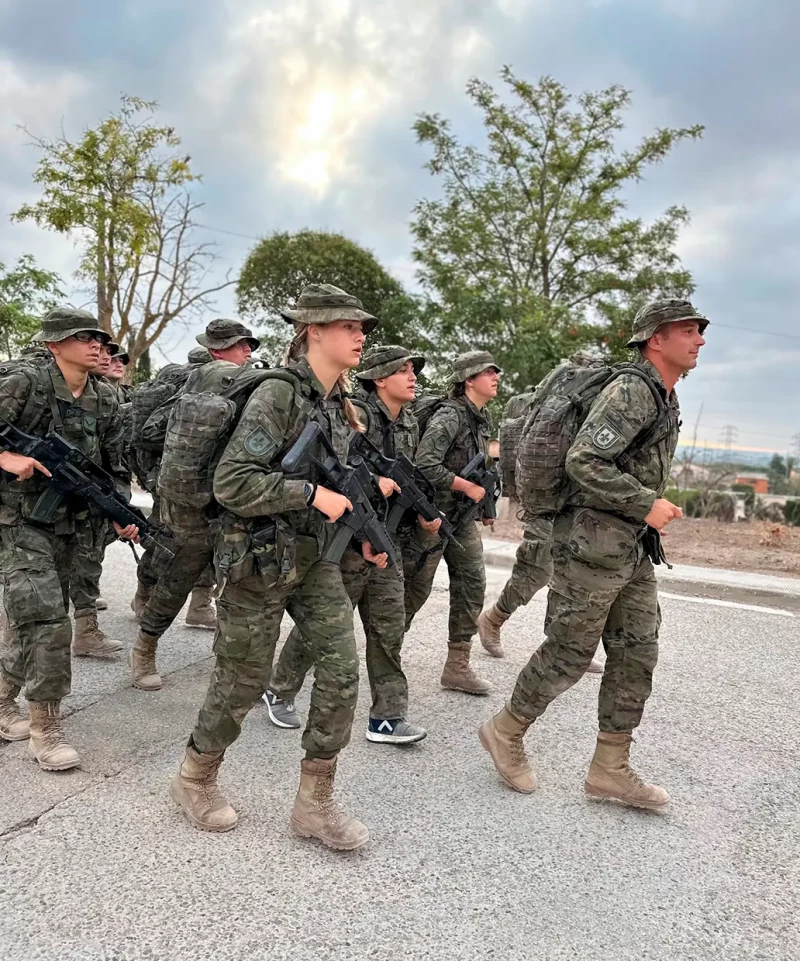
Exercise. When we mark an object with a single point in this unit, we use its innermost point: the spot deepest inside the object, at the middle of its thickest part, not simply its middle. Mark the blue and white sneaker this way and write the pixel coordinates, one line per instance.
(394, 731)
(281, 713)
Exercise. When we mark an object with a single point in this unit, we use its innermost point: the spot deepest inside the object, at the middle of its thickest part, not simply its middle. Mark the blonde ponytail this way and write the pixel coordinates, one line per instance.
(298, 347)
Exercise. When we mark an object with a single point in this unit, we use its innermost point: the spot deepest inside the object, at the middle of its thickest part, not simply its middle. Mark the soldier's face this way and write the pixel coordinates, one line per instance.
(238, 353)
(485, 383)
(103, 362)
(342, 342)
(679, 344)
(116, 369)
(399, 386)
(84, 356)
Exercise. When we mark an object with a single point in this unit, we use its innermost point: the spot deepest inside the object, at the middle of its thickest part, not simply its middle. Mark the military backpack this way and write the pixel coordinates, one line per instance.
(562, 403)
(514, 417)
(199, 427)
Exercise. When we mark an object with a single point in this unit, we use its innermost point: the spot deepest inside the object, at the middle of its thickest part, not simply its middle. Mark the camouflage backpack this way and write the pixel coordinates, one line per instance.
(143, 457)
(561, 405)
(425, 406)
(514, 417)
(199, 427)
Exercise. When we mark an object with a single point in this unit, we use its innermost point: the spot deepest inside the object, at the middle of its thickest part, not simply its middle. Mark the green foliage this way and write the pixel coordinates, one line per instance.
(529, 252)
(791, 511)
(26, 293)
(278, 268)
(778, 473)
(121, 191)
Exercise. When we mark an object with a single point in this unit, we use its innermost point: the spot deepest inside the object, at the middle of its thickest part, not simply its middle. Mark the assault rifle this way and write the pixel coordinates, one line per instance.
(476, 472)
(352, 481)
(73, 474)
(411, 482)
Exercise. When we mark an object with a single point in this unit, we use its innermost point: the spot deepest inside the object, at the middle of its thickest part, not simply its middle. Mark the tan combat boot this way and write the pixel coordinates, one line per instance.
(612, 777)
(489, 624)
(202, 612)
(48, 743)
(140, 599)
(143, 663)
(317, 815)
(14, 726)
(502, 736)
(194, 789)
(89, 640)
(459, 676)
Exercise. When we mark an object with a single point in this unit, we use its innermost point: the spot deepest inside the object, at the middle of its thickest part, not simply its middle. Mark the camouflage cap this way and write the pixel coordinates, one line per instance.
(658, 312)
(223, 333)
(119, 354)
(198, 355)
(386, 360)
(325, 304)
(471, 364)
(62, 322)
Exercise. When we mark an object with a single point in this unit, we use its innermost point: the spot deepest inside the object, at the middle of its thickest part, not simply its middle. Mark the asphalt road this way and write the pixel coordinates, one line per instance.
(98, 864)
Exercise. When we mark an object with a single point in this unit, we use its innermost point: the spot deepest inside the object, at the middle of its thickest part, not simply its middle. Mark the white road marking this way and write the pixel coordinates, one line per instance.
(714, 602)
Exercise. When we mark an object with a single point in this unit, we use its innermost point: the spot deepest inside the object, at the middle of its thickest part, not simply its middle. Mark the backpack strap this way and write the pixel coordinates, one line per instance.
(647, 434)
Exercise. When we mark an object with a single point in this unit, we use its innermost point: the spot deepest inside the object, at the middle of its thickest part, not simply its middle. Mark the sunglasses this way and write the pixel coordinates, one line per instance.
(87, 336)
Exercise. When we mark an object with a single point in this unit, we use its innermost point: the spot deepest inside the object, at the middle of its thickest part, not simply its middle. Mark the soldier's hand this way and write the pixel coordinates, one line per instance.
(487, 521)
(331, 504)
(661, 513)
(379, 560)
(474, 491)
(21, 465)
(431, 527)
(129, 533)
(388, 486)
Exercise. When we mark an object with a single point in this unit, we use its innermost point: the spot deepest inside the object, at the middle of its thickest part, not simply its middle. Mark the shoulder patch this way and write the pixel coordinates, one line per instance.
(605, 437)
(259, 443)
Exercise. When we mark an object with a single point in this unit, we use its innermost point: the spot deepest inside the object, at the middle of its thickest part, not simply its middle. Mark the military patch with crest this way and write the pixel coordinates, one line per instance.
(259, 443)
(605, 437)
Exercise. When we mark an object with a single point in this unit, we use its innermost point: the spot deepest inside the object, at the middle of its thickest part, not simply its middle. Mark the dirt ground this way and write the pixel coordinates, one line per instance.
(756, 546)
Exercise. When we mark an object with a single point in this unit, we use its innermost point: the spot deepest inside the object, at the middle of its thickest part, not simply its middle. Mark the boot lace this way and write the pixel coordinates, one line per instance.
(324, 800)
(51, 731)
(517, 750)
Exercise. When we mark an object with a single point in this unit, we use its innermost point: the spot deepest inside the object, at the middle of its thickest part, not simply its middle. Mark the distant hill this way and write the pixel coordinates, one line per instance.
(717, 455)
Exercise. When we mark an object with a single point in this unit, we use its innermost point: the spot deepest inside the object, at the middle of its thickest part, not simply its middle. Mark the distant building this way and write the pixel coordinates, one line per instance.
(759, 482)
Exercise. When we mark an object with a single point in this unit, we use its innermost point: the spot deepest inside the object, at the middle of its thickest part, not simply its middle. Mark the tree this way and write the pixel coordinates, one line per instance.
(26, 293)
(529, 252)
(278, 268)
(122, 191)
(778, 474)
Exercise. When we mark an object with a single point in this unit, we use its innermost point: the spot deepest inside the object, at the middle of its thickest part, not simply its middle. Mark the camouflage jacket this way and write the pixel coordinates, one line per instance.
(390, 436)
(38, 400)
(249, 481)
(456, 433)
(621, 459)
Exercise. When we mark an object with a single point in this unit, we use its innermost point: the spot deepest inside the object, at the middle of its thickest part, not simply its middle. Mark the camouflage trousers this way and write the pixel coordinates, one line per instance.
(93, 534)
(467, 579)
(249, 613)
(35, 652)
(603, 586)
(378, 595)
(152, 563)
(192, 544)
(533, 566)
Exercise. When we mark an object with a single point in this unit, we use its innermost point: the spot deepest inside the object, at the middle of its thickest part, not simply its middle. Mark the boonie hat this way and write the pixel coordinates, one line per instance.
(659, 312)
(223, 333)
(325, 304)
(386, 360)
(62, 322)
(471, 364)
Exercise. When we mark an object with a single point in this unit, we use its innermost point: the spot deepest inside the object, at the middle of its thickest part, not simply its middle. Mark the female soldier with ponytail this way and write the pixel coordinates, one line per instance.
(269, 560)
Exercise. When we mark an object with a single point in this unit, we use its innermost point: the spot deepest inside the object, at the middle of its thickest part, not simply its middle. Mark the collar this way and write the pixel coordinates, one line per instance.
(303, 368)
(63, 392)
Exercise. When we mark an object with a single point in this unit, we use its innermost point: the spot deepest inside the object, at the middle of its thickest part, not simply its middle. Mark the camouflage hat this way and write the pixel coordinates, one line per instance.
(223, 333)
(658, 312)
(471, 364)
(198, 355)
(386, 360)
(62, 322)
(324, 304)
(119, 354)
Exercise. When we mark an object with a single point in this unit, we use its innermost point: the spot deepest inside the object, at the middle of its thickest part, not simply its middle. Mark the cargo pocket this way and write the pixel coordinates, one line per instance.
(603, 549)
(233, 557)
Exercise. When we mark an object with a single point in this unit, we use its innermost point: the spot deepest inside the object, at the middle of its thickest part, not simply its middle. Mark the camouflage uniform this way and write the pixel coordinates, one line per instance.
(36, 558)
(193, 531)
(283, 572)
(456, 432)
(603, 584)
(378, 594)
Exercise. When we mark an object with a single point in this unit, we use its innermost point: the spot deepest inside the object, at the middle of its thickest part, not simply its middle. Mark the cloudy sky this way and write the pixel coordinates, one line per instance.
(298, 114)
